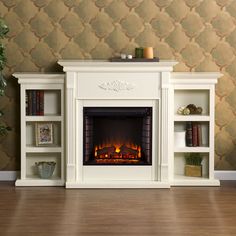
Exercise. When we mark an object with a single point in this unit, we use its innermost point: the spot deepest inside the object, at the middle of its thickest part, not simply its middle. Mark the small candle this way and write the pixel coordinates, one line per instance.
(139, 52)
(123, 56)
(129, 56)
(148, 53)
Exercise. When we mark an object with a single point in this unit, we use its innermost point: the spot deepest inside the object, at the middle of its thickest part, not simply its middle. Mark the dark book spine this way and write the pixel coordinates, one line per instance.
(41, 103)
(34, 103)
(199, 134)
(27, 102)
(30, 102)
(194, 133)
(37, 102)
(189, 134)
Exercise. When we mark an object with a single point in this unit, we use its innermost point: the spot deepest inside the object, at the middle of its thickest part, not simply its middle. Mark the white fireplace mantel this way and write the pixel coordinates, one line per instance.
(103, 83)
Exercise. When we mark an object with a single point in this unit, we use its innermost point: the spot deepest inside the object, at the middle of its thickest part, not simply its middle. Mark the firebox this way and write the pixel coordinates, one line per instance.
(117, 136)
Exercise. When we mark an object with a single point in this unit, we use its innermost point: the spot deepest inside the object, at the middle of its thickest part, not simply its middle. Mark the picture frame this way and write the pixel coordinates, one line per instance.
(44, 133)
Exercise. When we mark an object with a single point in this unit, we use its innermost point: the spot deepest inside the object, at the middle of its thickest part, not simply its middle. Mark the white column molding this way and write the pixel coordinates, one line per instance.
(212, 132)
(165, 125)
(70, 127)
(23, 132)
(79, 140)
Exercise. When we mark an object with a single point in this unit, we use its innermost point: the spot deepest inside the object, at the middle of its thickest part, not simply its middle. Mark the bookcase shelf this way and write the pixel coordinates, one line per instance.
(43, 149)
(42, 127)
(191, 118)
(181, 180)
(43, 118)
(197, 89)
(192, 149)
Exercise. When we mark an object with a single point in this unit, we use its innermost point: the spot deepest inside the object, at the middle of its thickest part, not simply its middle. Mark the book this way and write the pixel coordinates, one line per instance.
(27, 102)
(189, 133)
(194, 134)
(41, 103)
(199, 134)
(37, 102)
(34, 102)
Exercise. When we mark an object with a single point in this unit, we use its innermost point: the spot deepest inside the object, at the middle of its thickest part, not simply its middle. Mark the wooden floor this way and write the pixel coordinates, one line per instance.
(185, 211)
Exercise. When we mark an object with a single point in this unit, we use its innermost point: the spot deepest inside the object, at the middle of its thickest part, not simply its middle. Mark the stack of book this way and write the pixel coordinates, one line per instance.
(34, 102)
(193, 134)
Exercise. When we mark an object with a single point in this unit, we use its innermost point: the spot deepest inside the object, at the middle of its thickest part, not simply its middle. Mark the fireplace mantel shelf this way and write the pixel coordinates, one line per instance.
(107, 66)
(154, 85)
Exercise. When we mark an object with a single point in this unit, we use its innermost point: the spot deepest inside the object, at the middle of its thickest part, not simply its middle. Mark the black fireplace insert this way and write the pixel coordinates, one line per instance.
(117, 136)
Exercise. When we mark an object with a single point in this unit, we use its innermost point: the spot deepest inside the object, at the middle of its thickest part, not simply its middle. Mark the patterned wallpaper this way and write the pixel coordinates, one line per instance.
(200, 34)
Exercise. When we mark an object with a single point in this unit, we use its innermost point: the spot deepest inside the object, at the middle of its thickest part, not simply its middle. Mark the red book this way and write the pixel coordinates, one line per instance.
(37, 102)
(194, 128)
(199, 134)
(41, 103)
(27, 102)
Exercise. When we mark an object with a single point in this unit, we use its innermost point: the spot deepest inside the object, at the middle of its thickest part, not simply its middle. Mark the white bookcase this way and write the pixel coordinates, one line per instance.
(53, 107)
(178, 89)
(199, 89)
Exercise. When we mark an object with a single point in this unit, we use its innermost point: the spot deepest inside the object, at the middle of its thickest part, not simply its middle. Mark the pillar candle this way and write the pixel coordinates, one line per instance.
(148, 53)
(139, 52)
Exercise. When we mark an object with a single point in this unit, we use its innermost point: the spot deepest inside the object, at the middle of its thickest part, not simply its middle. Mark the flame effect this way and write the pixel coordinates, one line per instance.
(117, 153)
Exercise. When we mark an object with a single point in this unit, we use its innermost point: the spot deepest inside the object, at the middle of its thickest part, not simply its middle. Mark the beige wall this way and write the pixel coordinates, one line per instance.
(200, 34)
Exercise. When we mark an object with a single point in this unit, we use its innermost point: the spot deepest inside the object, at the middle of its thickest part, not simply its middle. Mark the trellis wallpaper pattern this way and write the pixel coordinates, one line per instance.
(200, 34)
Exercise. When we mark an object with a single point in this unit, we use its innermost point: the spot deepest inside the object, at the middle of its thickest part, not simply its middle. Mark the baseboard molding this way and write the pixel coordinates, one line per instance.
(219, 174)
(225, 174)
(8, 175)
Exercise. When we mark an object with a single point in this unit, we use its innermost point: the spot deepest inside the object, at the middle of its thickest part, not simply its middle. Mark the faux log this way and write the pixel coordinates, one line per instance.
(106, 150)
(124, 150)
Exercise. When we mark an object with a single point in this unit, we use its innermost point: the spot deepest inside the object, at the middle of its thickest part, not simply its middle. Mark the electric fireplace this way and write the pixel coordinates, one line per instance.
(117, 136)
(118, 124)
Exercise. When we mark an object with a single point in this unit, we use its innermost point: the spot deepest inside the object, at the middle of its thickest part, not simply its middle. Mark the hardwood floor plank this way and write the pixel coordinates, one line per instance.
(181, 211)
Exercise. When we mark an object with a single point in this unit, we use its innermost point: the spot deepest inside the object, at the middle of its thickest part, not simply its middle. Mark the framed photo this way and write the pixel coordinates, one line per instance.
(44, 133)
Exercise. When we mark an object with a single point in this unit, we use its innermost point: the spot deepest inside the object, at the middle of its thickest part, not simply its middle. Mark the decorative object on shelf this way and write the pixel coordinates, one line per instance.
(193, 166)
(180, 110)
(45, 169)
(199, 110)
(194, 110)
(44, 133)
(186, 111)
(129, 56)
(179, 137)
(190, 109)
(141, 55)
(138, 52)
(118, 59)
(3, 84)
(148, 53)
(123, 56)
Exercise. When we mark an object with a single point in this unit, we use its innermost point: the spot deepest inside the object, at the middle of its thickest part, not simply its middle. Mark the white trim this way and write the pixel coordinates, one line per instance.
(118, 184)
(39, 182)
(9, 175)
(225, 174)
